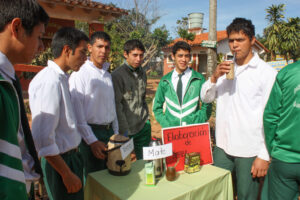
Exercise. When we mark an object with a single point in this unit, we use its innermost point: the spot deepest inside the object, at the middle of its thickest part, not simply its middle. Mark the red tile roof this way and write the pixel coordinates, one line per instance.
(221, 35)
(88, 4)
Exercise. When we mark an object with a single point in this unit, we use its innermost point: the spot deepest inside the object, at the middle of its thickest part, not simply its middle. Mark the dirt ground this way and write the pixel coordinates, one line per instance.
(150, 93)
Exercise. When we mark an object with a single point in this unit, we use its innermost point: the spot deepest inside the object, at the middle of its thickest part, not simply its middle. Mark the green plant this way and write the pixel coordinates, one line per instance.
(43, 58)
(182, 29)
(153, 73)
(220, 58)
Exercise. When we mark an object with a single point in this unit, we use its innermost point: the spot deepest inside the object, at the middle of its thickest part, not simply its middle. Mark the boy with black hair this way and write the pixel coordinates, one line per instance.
(240, 143)
(180, 90)
(22, 25)
(130, 82)
(97, 118)
(54, 126)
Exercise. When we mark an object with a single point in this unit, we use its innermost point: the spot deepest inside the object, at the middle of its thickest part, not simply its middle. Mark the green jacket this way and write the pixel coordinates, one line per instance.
(190, 111)
(282, 116)
(13, 181)
(130, 97)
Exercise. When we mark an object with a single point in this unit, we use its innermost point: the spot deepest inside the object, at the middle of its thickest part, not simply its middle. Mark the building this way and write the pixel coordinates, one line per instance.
(66, 12)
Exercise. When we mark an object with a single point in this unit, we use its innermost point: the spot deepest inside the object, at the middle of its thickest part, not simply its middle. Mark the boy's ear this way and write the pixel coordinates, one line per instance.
(173, 57)
(16, 27)
(89, 48)
(253, 40)
(66, 50)
(125, 54)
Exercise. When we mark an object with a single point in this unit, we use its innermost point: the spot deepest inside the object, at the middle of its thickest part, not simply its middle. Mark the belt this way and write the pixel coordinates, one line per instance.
(106, 127)
(70, 152)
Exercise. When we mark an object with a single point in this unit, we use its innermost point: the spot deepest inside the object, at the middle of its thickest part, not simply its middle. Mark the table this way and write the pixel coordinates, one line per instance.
(211, 183)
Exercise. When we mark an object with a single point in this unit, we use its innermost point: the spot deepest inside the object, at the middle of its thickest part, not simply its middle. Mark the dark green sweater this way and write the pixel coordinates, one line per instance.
(130, 97)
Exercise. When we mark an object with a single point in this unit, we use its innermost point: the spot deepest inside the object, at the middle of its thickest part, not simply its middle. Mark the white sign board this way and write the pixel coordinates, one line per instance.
(156, 152)
(209, 43)
(127, 148)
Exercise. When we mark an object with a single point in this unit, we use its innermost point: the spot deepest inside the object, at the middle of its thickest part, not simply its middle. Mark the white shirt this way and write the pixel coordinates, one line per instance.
(240, 107)
(93, 97)
(54, 127)
(185, 79)
(8, 73)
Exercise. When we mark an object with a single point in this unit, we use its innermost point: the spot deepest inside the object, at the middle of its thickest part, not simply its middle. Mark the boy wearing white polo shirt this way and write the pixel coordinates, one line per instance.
(93, 96)
(240, 143)
(53, 120)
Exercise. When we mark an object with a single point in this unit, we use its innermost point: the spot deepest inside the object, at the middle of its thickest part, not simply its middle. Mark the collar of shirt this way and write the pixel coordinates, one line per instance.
(252, 63)
(104, 69)
(132, 68)
(6, 68)
(185, 79)
(186, 73)
(57, 68)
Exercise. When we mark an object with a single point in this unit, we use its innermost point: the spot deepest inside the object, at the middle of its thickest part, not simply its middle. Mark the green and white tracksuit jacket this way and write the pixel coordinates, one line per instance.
(282, 116)
(189, 112)
(12, 179)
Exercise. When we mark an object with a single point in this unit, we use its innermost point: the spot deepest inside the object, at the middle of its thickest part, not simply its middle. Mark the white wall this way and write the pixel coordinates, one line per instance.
(224, 48)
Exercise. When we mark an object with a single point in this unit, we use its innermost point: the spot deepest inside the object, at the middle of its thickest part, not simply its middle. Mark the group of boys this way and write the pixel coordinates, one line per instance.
(74, 116)
(255, 118)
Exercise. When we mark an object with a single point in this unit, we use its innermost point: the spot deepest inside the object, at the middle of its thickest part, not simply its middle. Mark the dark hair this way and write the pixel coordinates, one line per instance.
(99, 35)
(29, 11)
(181, 45)
(241, 24)
(133, 44)
(67, 36)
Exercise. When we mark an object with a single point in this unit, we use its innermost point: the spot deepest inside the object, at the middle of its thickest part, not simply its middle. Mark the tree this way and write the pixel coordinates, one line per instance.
(212, 36)
(275, 13)
(136, 25)
(162, 35)
(83, 26)
(182, 29)
(275, 17)
(282, 37)
(290, 38)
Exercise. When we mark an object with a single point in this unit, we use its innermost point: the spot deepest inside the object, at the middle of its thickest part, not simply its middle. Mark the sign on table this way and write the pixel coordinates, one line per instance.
(188, 139)
(156, 152)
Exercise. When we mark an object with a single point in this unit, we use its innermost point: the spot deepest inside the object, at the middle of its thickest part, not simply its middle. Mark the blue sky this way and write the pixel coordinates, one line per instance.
(172, 10)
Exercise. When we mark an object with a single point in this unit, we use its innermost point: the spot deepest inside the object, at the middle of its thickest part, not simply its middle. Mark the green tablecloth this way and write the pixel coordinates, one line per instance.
(211, 183)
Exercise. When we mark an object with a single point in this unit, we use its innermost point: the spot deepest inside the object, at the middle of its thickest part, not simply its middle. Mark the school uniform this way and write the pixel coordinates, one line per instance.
(93, 98)
(281, 126)
(12, 178)
(131, 106)
(239, 123)
(184, 108)
(30, 162)
(54, 127)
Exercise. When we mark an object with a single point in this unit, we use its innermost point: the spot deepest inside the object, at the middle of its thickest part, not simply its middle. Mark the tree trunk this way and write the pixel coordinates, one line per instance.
(212, 35)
